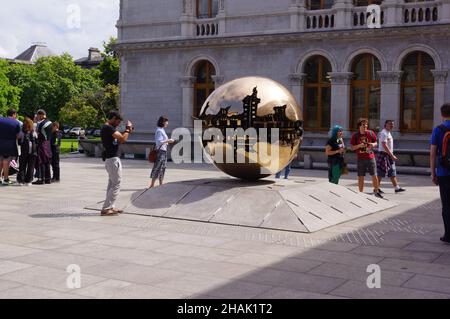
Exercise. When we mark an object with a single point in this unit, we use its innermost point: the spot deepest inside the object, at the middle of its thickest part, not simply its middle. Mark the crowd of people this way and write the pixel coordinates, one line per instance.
(39, 143)
(36, 143)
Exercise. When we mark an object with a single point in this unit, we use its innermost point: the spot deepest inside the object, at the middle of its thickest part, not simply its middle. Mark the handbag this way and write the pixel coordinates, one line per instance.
(153, 155)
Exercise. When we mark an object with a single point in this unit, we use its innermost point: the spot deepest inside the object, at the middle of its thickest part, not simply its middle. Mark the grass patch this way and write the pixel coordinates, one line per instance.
(71, 144)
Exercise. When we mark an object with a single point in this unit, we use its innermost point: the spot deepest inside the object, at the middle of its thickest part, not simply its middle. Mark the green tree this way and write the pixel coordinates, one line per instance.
(97, 103)
(78, 113)
(51, 83)
(9, 94)
(110, 66)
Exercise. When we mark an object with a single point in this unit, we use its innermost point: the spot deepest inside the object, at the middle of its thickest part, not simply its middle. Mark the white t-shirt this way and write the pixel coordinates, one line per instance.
(385, 136)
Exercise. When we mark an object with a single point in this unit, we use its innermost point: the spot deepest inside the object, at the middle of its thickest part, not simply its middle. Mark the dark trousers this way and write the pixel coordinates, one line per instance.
(55, 164)
(26, 168)
(444, 188)
(44, 172)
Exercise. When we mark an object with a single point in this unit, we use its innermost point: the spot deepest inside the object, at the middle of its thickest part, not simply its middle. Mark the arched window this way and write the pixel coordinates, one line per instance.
(417, 99)
(207, 8)
(365, 90)
(204, 84)
(317, 103)
(320, 4)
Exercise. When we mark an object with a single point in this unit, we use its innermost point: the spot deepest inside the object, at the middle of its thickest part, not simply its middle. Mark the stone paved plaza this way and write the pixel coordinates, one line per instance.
(44, 229)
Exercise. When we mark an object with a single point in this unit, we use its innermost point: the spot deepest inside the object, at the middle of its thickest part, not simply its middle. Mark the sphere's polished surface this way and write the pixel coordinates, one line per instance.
(251, 104)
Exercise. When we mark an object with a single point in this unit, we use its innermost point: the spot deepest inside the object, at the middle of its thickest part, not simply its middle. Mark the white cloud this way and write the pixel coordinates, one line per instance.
(24, 22)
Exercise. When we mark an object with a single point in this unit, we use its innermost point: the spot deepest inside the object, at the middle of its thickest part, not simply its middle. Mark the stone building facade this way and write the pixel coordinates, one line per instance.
(175, 52)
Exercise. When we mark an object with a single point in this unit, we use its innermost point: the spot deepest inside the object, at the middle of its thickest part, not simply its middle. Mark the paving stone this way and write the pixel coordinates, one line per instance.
(136, 274)
(359, 290)
(206, 267)
(132, 242)
(50, 244)
(338, 257)
(286, 293)
(7, 266)
(116, 289)
(298, 281)
(59, 260)
(237, 290)
(193, 284)
(431, 283)
(416, 267)
(6, 285)
(269, 249)
(27, 292)
(395, 253)
(437, 247)
(392, 278)
(11, 251)
(48, 278)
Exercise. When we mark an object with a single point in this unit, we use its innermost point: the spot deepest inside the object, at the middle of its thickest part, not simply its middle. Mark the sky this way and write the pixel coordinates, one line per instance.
(71, 26)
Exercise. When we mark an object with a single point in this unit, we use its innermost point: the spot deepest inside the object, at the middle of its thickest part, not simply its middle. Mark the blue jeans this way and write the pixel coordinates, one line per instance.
(287, 171)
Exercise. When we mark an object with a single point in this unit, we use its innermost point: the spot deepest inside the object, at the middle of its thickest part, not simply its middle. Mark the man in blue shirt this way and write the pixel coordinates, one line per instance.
(439, 174)
(9, 133)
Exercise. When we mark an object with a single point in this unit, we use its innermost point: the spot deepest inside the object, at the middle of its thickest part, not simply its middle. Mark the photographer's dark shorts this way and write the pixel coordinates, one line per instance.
(367, 165)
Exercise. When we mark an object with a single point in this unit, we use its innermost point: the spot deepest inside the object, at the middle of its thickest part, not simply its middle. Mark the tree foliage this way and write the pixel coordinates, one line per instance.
(110, 66)
(9, 94)
(69, 93)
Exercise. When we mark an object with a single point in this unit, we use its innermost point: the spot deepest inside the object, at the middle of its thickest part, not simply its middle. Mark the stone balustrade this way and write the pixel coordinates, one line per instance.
(207, 27)
(319, 19)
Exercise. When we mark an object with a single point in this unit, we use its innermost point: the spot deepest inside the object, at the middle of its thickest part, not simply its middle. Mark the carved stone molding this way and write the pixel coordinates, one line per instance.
(340, 77)
(297, 78)
(218, 79)
(142, 44)
(390, 76)
(440, 75)
(187, 81)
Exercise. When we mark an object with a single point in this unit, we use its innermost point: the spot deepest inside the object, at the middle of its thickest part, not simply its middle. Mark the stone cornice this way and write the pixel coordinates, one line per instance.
(289, 37)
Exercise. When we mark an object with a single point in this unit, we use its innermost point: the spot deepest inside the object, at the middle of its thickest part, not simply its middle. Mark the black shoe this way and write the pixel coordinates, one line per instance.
(38, 183)
(400, 190)
(55, 180)
(378, 195)
(48, 181)
(379, 191)
(445, 240)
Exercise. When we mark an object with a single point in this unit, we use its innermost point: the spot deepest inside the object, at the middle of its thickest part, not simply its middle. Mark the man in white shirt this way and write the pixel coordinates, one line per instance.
(386, 158)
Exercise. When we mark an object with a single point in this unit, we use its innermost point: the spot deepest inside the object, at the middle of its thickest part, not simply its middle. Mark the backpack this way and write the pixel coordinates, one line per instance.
(445, 154)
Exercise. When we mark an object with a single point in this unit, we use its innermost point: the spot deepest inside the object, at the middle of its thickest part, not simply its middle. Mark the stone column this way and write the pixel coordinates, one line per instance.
(297, 81)
(392, 13)
(221, 16)
(187, 18)
(187, 85)
(340, 99)
(440, 80)
(390, 97)
(343, 16)
(445, 11)
(297, 12)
